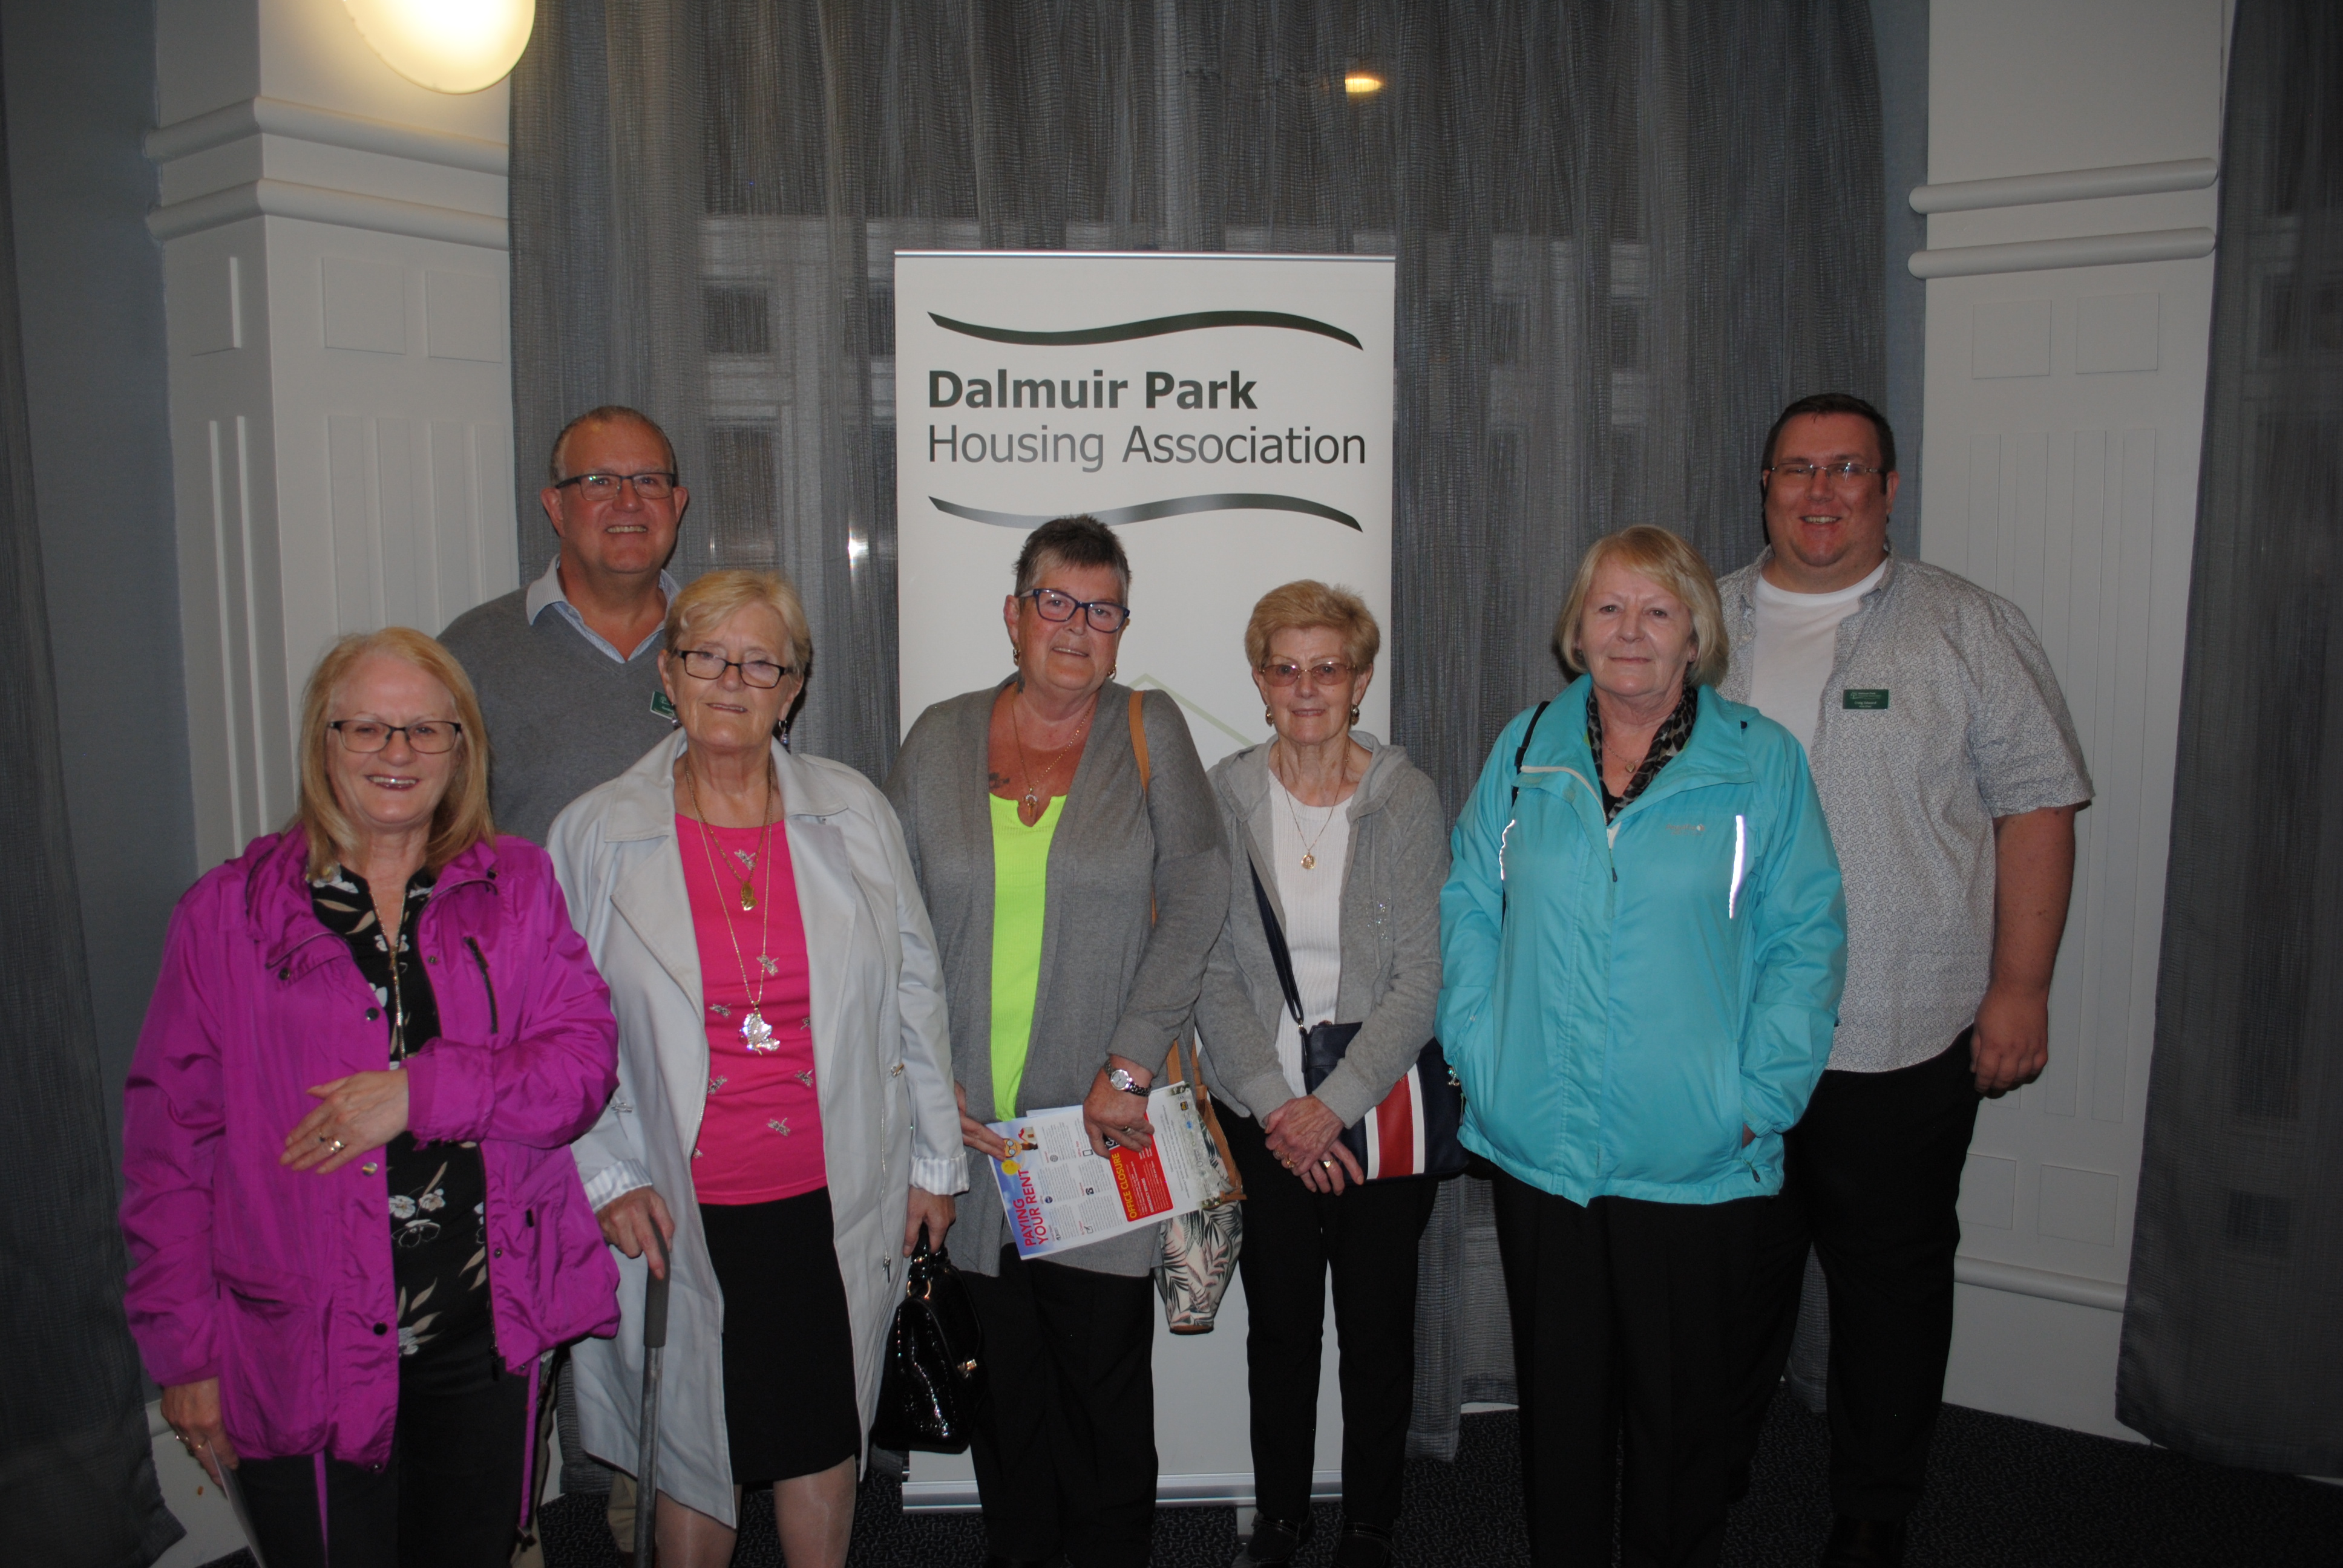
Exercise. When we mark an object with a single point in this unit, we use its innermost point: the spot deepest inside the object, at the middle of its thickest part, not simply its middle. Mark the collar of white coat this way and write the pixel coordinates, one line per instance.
(643, 804)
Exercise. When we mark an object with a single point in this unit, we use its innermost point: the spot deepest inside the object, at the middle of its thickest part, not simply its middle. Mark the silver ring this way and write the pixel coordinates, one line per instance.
(1326, 1164)
(336, 1147)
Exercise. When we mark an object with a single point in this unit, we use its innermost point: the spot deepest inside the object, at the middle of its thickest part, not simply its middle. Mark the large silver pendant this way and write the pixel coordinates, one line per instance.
(756, 1034)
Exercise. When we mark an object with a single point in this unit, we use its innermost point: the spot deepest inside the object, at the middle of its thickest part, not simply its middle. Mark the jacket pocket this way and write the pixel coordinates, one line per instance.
(275, 1387)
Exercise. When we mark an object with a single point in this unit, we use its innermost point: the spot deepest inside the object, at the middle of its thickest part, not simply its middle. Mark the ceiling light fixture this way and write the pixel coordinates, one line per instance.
(447, 45)
(1359, 84)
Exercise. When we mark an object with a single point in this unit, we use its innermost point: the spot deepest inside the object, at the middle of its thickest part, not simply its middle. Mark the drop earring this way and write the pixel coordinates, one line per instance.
(1269, 717)
(1354, 713)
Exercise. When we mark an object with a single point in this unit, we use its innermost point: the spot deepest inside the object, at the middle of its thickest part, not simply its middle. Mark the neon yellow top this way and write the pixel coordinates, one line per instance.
(1020, 882)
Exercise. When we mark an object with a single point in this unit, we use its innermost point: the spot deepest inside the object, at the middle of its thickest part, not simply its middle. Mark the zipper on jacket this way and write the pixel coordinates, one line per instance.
(482, 958)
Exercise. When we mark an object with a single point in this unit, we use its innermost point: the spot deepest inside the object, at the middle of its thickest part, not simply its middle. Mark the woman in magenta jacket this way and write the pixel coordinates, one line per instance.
(354, 1222)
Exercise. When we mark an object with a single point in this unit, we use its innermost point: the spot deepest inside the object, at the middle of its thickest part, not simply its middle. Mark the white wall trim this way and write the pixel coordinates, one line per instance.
(2018, 1280)
(2048, 255)
(2067, 185)
(350, 209)
(280, 117)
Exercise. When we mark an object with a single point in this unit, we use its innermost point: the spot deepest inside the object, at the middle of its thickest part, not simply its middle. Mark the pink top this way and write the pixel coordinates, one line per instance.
(760, 1136)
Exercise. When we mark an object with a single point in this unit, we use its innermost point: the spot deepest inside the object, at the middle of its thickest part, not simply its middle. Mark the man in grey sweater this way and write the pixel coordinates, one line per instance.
(566, 668)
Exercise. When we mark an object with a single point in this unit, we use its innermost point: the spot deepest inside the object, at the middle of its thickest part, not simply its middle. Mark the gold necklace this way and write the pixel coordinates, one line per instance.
(1035, 801)
(755, 1033)
(1310, 850)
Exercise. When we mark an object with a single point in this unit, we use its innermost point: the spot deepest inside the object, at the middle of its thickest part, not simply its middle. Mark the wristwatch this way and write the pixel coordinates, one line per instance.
(1120, 1078)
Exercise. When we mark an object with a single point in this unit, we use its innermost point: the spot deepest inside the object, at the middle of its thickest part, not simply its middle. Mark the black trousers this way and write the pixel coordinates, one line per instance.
(1625, 1314)
(1875, 1179)
(1065, 1451)
(1292, 1236)
(449, 1497)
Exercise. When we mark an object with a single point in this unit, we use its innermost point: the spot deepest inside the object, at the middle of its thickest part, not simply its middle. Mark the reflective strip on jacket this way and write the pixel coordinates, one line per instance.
(279, 1282)
(1620, 1001)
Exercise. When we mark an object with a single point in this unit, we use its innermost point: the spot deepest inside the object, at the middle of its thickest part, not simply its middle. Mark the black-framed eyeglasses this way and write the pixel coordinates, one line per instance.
(1837, 473)
(1325, 672)
(1105, 615)
(653, 485)
(428, 736)
(706, 664)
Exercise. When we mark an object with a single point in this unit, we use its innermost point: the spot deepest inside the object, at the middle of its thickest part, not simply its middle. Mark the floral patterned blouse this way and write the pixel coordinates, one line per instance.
(439, 1191)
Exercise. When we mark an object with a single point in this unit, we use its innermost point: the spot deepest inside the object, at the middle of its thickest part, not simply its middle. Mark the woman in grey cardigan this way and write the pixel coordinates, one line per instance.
(1350, 847)
(1073, 907)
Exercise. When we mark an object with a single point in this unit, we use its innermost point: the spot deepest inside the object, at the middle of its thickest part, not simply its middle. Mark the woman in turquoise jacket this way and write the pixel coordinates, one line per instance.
(1643, 943)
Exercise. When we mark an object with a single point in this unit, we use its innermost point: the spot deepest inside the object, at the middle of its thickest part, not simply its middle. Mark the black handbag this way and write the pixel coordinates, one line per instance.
(934, 1382)
(1413, 1133)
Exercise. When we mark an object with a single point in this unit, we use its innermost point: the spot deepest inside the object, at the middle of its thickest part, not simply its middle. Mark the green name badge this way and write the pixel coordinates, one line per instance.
(666, 709)
(1871, 699)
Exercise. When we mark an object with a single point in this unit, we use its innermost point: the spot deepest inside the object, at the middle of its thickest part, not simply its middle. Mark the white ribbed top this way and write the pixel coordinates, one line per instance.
(1314, 908)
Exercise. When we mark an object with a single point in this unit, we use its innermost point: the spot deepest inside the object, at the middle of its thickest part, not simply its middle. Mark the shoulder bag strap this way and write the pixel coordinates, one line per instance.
(1138, 740)
(1521, 753)
(1278, 954)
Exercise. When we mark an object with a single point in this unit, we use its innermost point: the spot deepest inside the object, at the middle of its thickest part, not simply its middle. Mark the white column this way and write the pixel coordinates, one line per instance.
(335, 274)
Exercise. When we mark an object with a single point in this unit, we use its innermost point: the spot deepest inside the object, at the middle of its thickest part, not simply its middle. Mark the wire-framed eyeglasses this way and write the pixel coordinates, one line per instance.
(706, 664)
(653, 485)
(428, 736)
(1324, 672)
(1834, 473)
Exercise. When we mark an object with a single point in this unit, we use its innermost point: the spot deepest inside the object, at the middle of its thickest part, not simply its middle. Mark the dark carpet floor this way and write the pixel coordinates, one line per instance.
(2003, 1493)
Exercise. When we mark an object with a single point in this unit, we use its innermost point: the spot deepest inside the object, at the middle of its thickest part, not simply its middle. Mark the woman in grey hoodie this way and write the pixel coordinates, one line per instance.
(1344, 841)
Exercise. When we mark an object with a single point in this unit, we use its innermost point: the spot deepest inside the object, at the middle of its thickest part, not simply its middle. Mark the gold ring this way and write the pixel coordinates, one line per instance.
(1326, 1164)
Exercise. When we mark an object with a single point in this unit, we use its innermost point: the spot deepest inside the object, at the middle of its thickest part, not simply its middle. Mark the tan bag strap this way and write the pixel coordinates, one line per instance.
(1180, 1064)
(1139, 739)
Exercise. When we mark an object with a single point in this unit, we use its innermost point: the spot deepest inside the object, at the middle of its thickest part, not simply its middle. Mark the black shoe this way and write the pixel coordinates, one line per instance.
(1363, 1546)
(1273, 1541)
(1864, 1544)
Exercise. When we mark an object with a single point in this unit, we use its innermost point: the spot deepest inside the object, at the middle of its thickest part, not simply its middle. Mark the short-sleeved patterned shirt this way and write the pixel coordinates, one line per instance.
(1940, 715)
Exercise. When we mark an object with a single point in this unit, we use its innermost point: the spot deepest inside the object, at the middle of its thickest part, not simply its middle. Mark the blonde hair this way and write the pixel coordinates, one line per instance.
(1307, 605)
(1669, 561)
(711, 598)
(462, 819)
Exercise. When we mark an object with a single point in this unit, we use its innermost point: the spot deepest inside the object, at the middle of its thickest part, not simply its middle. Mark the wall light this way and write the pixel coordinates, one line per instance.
(447, 45)
(1359, 84)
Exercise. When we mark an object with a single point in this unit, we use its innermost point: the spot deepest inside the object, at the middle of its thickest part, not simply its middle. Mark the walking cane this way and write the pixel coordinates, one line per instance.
(654, 1351)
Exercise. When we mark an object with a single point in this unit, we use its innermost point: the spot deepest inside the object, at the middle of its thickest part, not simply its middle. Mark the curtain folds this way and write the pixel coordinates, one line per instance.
(1627, 232)
(77, 1471)
(2229, 1344)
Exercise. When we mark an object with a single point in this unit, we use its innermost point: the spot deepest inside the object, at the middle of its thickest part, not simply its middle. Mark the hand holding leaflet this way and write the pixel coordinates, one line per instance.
(1061, 1194)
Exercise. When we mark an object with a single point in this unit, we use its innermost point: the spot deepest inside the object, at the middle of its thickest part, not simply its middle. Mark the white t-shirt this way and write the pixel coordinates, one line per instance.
(1796, 646)
(1313, 910)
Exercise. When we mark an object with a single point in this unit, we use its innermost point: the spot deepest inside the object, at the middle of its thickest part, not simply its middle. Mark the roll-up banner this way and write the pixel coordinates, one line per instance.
(1229, 416)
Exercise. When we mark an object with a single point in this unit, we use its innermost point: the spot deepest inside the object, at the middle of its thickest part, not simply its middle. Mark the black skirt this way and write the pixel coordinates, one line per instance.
(788, 1347)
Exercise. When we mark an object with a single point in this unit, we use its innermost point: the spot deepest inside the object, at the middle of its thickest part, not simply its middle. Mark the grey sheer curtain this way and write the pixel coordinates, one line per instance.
(1627, 232)
(76, 1474)
(2230, 1348)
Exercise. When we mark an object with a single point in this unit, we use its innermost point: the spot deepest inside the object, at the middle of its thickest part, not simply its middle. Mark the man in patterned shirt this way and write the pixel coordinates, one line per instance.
(1950, 774)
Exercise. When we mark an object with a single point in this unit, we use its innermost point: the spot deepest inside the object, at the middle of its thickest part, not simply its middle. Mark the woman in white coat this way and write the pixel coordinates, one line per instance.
(784, 1115)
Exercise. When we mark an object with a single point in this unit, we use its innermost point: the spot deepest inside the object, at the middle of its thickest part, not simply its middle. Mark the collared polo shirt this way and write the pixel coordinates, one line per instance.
(1941, 714)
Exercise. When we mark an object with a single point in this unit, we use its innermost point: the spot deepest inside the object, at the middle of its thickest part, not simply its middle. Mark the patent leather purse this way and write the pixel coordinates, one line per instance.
(934, 1382)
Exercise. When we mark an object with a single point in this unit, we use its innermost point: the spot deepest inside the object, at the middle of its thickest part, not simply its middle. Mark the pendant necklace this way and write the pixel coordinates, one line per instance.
(1036, 799)
(755, 1033)
(1310, 850)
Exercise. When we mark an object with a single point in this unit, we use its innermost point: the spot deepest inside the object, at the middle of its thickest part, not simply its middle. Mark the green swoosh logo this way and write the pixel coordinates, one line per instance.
(1123, 332)
(1180, 506)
